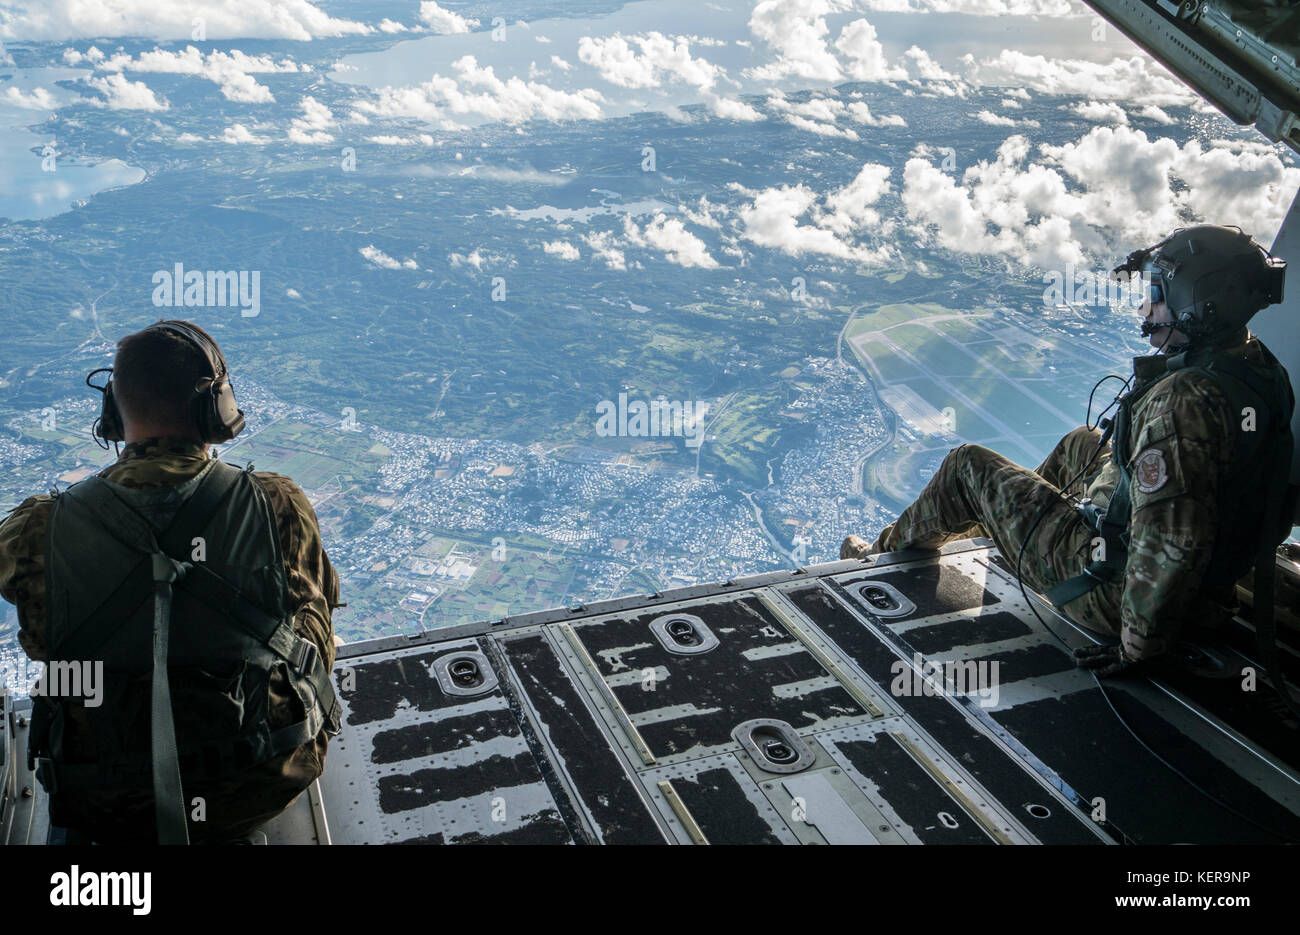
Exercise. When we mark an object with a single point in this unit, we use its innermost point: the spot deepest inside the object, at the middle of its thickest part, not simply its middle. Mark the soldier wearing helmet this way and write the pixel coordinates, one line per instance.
(1144, 537)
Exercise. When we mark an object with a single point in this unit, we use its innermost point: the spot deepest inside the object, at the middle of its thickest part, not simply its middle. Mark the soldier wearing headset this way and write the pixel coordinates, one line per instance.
(204, 594)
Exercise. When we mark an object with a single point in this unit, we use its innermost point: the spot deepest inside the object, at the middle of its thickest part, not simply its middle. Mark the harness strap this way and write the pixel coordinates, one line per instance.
(168, 797)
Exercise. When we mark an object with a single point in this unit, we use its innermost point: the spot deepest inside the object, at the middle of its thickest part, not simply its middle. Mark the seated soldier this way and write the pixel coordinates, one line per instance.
(1171, 517)
(168, 555)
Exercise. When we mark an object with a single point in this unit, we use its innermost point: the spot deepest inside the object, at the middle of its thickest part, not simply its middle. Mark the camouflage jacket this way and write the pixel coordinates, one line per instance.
(313, 590)
(1181, 437)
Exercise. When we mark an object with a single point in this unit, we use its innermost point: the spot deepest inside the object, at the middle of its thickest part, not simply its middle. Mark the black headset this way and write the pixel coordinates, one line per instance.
(216, 415)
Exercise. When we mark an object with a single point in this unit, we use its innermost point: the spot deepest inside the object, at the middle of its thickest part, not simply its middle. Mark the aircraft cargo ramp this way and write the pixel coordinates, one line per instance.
(791, 707)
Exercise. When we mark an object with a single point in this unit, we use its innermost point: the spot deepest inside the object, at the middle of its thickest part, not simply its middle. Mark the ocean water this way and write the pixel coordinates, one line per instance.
(36, 180)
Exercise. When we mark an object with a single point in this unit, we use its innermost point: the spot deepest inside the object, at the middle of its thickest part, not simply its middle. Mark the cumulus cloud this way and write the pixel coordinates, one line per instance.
(816, 115)
(1100, 112)
(997, 120)
(561, 248)
(36, 99)
(1120, 79)
(379, 258)
(231, 71)
(656, 57)
(729, 108)
(865, 54)
(478, 259)
(838, 223)
(603, 245)
(443, 21)
(1093, 198)
(820, 115)
(121, 94)
(312, 126)
(1157, 114)
(422, 139)
(171, 19)
(477, 90)
(238, 133)
(926, 67)
(796, 30)
(861, 112)
(670, 235)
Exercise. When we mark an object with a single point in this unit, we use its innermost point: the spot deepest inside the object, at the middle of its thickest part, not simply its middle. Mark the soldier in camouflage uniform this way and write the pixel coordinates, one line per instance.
(162, 452)
(1184, 455)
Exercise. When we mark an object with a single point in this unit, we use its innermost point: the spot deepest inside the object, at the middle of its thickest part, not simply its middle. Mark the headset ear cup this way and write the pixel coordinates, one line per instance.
(110, 420)
(220, 419)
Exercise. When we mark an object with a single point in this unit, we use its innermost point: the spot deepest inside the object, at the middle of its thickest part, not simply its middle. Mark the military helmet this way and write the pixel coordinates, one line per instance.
(1212, 279)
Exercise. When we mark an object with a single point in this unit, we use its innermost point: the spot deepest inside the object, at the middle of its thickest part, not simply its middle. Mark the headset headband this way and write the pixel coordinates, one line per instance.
(215, 358)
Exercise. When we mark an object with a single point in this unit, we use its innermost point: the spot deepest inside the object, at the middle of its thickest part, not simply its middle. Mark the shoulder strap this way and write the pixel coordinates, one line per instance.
(218, 481)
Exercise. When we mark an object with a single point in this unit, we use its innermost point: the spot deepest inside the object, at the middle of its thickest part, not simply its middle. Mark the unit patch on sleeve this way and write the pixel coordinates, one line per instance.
(1150, 470)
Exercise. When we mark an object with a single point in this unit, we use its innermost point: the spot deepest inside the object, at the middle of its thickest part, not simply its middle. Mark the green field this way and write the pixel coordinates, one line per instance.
(311, 455)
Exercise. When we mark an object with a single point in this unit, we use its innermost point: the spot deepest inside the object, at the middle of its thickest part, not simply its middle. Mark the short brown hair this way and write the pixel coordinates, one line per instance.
(155, 374)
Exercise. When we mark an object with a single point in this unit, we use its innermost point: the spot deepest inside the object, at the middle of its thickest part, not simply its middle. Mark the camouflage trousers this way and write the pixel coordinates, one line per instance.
(978, 492)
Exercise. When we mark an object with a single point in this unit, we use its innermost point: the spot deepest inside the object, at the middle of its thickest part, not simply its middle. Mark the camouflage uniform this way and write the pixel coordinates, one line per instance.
(243, 801)
(1181, 436)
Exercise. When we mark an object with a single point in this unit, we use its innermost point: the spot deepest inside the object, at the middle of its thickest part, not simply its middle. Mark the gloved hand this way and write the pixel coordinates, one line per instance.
(1104, 661)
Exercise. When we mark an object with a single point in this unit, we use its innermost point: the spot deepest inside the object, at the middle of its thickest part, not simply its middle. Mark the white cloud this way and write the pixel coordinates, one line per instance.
(36, 99)
(313, 125)
(670, 235)
(1100, 112)
(1157, 114)
(603, 246)
(171, 19)
(91, 55)
(479, 91)
(231, 71)
(861, 112)
(423, 139)
(189, 138)
(478, 259)
(729, 108)
(561, 248)
(293, 293)
(1095, 198)
(816, 115)
(1011, 103)
(125, 95)
(1117, 80)
(659, 57)
(379, 258)
(391, 26)
(238, 133)
(703, 213)
(926, 67)
(444, 21)
(839, 222)
(560, 63)
(797, 31)
(858, 43)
